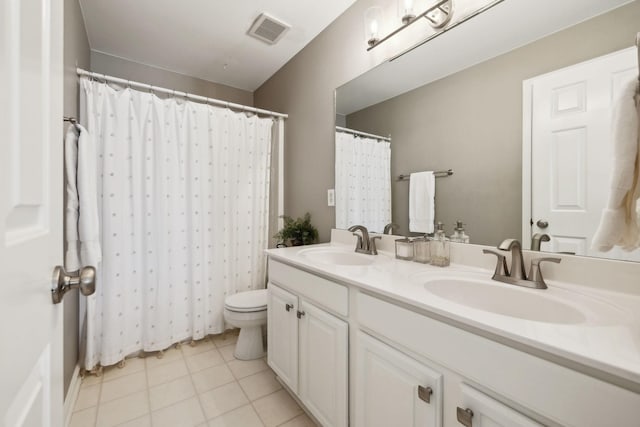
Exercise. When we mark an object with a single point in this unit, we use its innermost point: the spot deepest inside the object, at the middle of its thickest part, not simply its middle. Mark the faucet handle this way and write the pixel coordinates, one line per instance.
(372, 245)
(501, 265)
(535, 274)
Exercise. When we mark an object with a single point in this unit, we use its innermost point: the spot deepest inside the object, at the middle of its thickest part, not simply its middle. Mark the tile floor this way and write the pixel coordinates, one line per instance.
(201, 385)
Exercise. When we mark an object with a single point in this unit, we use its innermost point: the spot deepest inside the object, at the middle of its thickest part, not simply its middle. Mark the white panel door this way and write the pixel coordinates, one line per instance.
(323, 365)
(571, 150)
(30, 211)
(386, 388)
(488, 412)
(282, 335)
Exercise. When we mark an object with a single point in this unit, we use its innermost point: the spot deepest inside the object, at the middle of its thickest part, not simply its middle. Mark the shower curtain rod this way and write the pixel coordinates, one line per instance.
(358, 133)
(191, 96)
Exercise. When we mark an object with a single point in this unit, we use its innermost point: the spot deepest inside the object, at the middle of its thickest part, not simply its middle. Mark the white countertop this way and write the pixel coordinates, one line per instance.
(606, 342)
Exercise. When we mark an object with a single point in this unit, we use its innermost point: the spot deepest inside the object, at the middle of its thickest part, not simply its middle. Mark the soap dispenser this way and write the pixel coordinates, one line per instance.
(440, 247)
(459, 236)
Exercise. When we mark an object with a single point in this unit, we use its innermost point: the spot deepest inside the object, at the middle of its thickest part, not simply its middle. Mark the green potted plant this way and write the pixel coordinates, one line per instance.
(298, 231)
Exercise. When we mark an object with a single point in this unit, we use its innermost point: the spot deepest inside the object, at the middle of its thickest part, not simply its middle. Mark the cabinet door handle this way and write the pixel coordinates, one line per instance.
(465, 416)
(288, 307)
(424, 393)
(300, 314)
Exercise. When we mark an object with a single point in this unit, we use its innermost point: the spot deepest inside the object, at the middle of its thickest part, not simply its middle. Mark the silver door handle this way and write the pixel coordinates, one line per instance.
(61, 282)
(465, 416)
(424, 393)
(542, 223)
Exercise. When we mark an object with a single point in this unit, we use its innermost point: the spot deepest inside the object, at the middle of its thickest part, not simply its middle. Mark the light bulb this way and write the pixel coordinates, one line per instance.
(405, 9)
(372, 24)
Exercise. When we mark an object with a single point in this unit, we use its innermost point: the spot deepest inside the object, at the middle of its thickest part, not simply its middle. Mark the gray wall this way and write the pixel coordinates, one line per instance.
(304, 88)
(472, 122)
(76, 54)
(130, 70)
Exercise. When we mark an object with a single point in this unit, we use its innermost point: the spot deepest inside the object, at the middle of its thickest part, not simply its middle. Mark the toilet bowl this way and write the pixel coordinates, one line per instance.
(247, 311)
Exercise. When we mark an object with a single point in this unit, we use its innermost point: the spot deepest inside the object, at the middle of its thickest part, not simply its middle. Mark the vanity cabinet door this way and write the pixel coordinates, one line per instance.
(323, 365)
(488, 412)
(282, 335)
(387, 388)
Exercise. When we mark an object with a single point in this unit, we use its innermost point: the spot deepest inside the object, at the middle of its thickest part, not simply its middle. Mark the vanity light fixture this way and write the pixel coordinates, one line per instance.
(437, 15)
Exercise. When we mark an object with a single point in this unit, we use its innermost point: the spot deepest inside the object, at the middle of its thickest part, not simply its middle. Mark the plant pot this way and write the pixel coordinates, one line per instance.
(297, 242)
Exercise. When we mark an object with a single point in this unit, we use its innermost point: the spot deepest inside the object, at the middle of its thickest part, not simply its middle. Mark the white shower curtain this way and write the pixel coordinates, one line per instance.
(363, 181)
(184, 215)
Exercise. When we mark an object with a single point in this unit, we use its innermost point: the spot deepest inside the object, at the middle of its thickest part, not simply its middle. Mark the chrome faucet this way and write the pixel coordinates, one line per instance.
(365, 244)
(388, 229)
(516, 274)
(517, 262)
(537, 239)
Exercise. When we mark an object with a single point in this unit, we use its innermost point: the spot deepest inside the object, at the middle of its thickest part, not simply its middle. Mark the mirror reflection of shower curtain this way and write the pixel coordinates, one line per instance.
(184, 214)
(363, 182)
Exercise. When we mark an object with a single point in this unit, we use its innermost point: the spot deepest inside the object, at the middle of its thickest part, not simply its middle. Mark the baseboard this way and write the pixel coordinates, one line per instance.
(72, 395)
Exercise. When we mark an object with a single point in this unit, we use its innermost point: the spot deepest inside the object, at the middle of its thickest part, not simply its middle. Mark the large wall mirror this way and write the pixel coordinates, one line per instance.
(478, 109)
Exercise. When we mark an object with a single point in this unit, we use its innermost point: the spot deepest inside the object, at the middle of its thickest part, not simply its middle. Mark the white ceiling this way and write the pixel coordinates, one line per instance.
(507, 26)
(199, 37)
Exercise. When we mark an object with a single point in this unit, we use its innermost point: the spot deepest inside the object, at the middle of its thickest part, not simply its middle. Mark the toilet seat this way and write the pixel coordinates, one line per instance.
(247, 302)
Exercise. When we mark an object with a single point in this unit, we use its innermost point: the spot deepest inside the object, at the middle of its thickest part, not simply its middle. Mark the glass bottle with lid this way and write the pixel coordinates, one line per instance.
(440, 247)
(459, 236)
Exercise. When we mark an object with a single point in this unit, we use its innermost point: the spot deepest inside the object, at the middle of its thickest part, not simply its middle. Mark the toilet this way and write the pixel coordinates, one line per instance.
(247, 311)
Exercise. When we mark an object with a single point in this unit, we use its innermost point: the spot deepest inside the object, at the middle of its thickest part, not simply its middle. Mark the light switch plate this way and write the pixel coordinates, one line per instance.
(331, 197)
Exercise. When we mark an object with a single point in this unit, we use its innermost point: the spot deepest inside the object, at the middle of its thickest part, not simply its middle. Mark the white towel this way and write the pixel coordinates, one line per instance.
(81, 216)
(422, 192)
(619, 221)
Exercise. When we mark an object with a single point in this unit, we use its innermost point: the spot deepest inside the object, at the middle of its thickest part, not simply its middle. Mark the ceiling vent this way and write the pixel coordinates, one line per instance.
(268, 29)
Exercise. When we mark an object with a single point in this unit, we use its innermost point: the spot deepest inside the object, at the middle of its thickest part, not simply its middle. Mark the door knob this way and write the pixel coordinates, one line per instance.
(61, 282)
(288, 307)
(542, 223)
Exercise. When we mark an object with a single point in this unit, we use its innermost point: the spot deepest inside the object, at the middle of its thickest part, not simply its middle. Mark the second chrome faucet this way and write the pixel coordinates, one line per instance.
(516, 274)
(365, 244)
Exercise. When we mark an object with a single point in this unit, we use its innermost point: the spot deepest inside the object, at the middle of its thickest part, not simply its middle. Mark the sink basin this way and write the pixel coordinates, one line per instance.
(330, 256)
(507, 300)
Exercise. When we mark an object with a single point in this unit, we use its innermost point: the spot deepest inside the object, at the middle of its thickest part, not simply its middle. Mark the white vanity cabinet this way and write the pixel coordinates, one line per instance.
(519, 389)
(483, 411)
(392, 389)
(282, 335)
(307, 344)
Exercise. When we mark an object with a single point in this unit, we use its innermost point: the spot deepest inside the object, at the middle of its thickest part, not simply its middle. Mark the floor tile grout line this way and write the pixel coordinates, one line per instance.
(95, 419)
(129, 393)
(193, 384)
(274, 392)
(241, 389)
(149, 384)
(146, 377)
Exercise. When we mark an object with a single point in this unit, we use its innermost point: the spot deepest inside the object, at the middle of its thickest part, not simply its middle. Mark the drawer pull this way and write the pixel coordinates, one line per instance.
(465, 416)
(300, 314)
(424, 393)
(288, 307)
